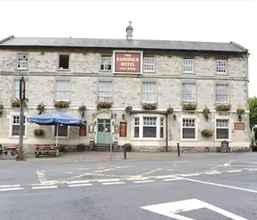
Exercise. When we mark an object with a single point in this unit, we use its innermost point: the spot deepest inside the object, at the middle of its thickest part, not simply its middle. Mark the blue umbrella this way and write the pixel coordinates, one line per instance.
(55, 119)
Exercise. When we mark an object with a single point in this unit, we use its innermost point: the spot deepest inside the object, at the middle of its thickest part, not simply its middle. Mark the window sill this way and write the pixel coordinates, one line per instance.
(221, 73)
(63, 70)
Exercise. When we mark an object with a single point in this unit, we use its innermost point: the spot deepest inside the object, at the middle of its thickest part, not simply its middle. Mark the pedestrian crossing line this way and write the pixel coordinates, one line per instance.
(167, 180)
(11, 189)
(44, 187)
(113, 183)
(234, 171)
(78, 182)
(80, 185)
(108, 180)
(10, 186)
(144, 181)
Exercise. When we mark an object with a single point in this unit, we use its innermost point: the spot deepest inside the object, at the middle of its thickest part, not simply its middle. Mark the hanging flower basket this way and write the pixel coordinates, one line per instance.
(147, 106)
(41, 108)
(170, 111)
(62, 104)
(39, 132)
(104, 105)
(206, 112)
(207, 133)
(129, 109)
(82, 109)
(189, 107)
(240, 112)
(1, 110)
(223, 108)
(15, 103)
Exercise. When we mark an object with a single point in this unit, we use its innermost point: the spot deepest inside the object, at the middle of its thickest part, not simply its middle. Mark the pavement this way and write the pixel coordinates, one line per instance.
(95, 186)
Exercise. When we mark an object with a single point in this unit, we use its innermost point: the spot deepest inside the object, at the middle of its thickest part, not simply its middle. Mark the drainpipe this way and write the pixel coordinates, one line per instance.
(167, 136)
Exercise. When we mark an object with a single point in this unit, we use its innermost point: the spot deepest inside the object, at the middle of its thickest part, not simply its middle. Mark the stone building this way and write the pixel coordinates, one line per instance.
(150, 93)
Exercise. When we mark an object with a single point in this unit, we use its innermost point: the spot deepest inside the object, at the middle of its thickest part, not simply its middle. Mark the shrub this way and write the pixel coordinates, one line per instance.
(39, 132)
(189, 106)
(207, 133)
(61, 104)
(170, 110)
(147, 106)
(223, 108)
(206, 113)
(40, 108)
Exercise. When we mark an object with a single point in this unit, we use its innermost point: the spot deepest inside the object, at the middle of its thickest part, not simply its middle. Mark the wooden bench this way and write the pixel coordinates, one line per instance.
(46, 150)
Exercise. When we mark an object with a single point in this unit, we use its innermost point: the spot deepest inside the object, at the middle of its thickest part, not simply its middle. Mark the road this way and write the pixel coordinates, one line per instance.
(197, 186)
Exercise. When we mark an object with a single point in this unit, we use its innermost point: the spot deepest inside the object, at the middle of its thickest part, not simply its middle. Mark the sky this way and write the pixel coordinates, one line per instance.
(192, 20)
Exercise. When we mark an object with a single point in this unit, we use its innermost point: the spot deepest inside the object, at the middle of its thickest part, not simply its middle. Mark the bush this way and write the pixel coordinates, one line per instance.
(39, 132)
(61, 104)
(207, 133)
(127, 147)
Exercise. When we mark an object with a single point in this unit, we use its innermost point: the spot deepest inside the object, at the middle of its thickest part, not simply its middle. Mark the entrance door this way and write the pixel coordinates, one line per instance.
(104, 135)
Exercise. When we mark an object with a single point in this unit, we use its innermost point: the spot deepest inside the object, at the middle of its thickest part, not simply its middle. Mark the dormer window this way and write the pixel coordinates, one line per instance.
(22, 61)
(106, 63)
(64, 61)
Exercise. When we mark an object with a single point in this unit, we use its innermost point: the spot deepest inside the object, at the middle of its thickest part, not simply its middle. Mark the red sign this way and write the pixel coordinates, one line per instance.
(126, 62)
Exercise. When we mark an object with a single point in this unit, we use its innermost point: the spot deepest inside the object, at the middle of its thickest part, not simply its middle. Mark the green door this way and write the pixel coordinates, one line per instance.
(104, 135)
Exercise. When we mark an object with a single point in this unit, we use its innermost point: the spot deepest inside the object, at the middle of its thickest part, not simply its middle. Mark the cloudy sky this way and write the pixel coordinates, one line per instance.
(195, 20)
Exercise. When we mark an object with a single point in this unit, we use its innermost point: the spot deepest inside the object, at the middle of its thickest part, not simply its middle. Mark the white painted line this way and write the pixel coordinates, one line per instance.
(41, 176)
(7, 186)
(234, 171)
(221, 185)
(190, 174)
(11, 189)
(173, 209)
(212, 172)
(164, 177)
(167, 180)
(144, 181)
(108, 180)
(80, 185)
(113, 183)
(252, 169)
(139, 178)
(45, 187)
(77, 181)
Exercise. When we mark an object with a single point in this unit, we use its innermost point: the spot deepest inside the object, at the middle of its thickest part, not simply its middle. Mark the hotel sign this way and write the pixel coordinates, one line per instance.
(127, 62)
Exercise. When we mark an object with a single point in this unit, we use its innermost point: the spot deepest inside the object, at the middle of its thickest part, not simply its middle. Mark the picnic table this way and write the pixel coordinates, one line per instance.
(46, 150)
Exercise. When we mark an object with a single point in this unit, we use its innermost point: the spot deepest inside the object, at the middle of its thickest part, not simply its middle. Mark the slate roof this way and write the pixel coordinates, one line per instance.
(122, 44)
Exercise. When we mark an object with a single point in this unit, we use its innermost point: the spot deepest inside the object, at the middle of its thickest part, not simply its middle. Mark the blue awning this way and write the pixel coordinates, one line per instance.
(55, 119)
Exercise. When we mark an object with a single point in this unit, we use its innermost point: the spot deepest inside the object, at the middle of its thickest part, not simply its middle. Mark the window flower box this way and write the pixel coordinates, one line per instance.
(148, 106)
(223, 108)
(189, 106)
(129, 109)
(206, 112)
(240, 112)
(82, 109)
(15, 103)
(105, 105)
(62, 104)
(170, 111)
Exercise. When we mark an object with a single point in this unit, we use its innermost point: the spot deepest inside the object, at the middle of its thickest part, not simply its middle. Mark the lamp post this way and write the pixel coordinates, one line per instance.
(22, 88)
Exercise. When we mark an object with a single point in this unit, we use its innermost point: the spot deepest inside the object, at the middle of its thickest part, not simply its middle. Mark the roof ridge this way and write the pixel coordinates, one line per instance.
(6, 39)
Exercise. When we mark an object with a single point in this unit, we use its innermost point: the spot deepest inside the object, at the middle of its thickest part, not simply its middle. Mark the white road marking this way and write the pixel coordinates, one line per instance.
(221, 185)
(164, 177)
(108, 180)
(234, 171)
(190, 174)
(252, 169)
(172, 209)
(77, 181)
(167, 180)
(212, 172)
(11, 189)
(45, 187)
(137, 178)
(144, 181)
(80, 185)
(113, 183)
(7, 186)
(41, 176)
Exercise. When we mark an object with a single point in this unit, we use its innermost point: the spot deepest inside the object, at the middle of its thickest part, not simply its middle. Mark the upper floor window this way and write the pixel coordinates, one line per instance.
(222, 129)
(61, 131)
(149, 92)
(188, 128)
(222, 93)
(188, 65)
(64, 61)
(105, 91)
(63, 90)
(106, 63)
(15, 125)
(22, 61)
(17, 88)
(189, 92)
(149, 64)
(221, 65)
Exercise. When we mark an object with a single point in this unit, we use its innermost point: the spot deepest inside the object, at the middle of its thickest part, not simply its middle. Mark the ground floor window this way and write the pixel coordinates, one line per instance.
(83, 130)
(148, 126)
(188, 128)
(62, 131)
(123, 129)
(222, 129)
(15, 125)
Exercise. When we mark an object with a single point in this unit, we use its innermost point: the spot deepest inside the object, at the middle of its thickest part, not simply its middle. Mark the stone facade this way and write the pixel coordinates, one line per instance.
(84, 74)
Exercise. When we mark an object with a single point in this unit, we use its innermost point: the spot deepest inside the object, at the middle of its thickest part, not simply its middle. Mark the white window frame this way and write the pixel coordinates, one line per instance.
(58, 64)
(17, 88)
(149, 97)
(229, 127)
(193, 93)
(24, 65)
(103, 57)
(196, 128)
(103, 94)
(221, 64)
(147, 64)
(61, 137)
(226, 87)
(67, 91)
(11, 125)
(127, 51)
(189, 64)
(141, 125)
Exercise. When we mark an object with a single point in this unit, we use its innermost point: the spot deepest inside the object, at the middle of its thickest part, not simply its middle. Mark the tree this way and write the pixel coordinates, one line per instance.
(253, 111)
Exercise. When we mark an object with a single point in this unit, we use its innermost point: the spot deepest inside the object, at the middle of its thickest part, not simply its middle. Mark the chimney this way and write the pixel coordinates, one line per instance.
(129, 31)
